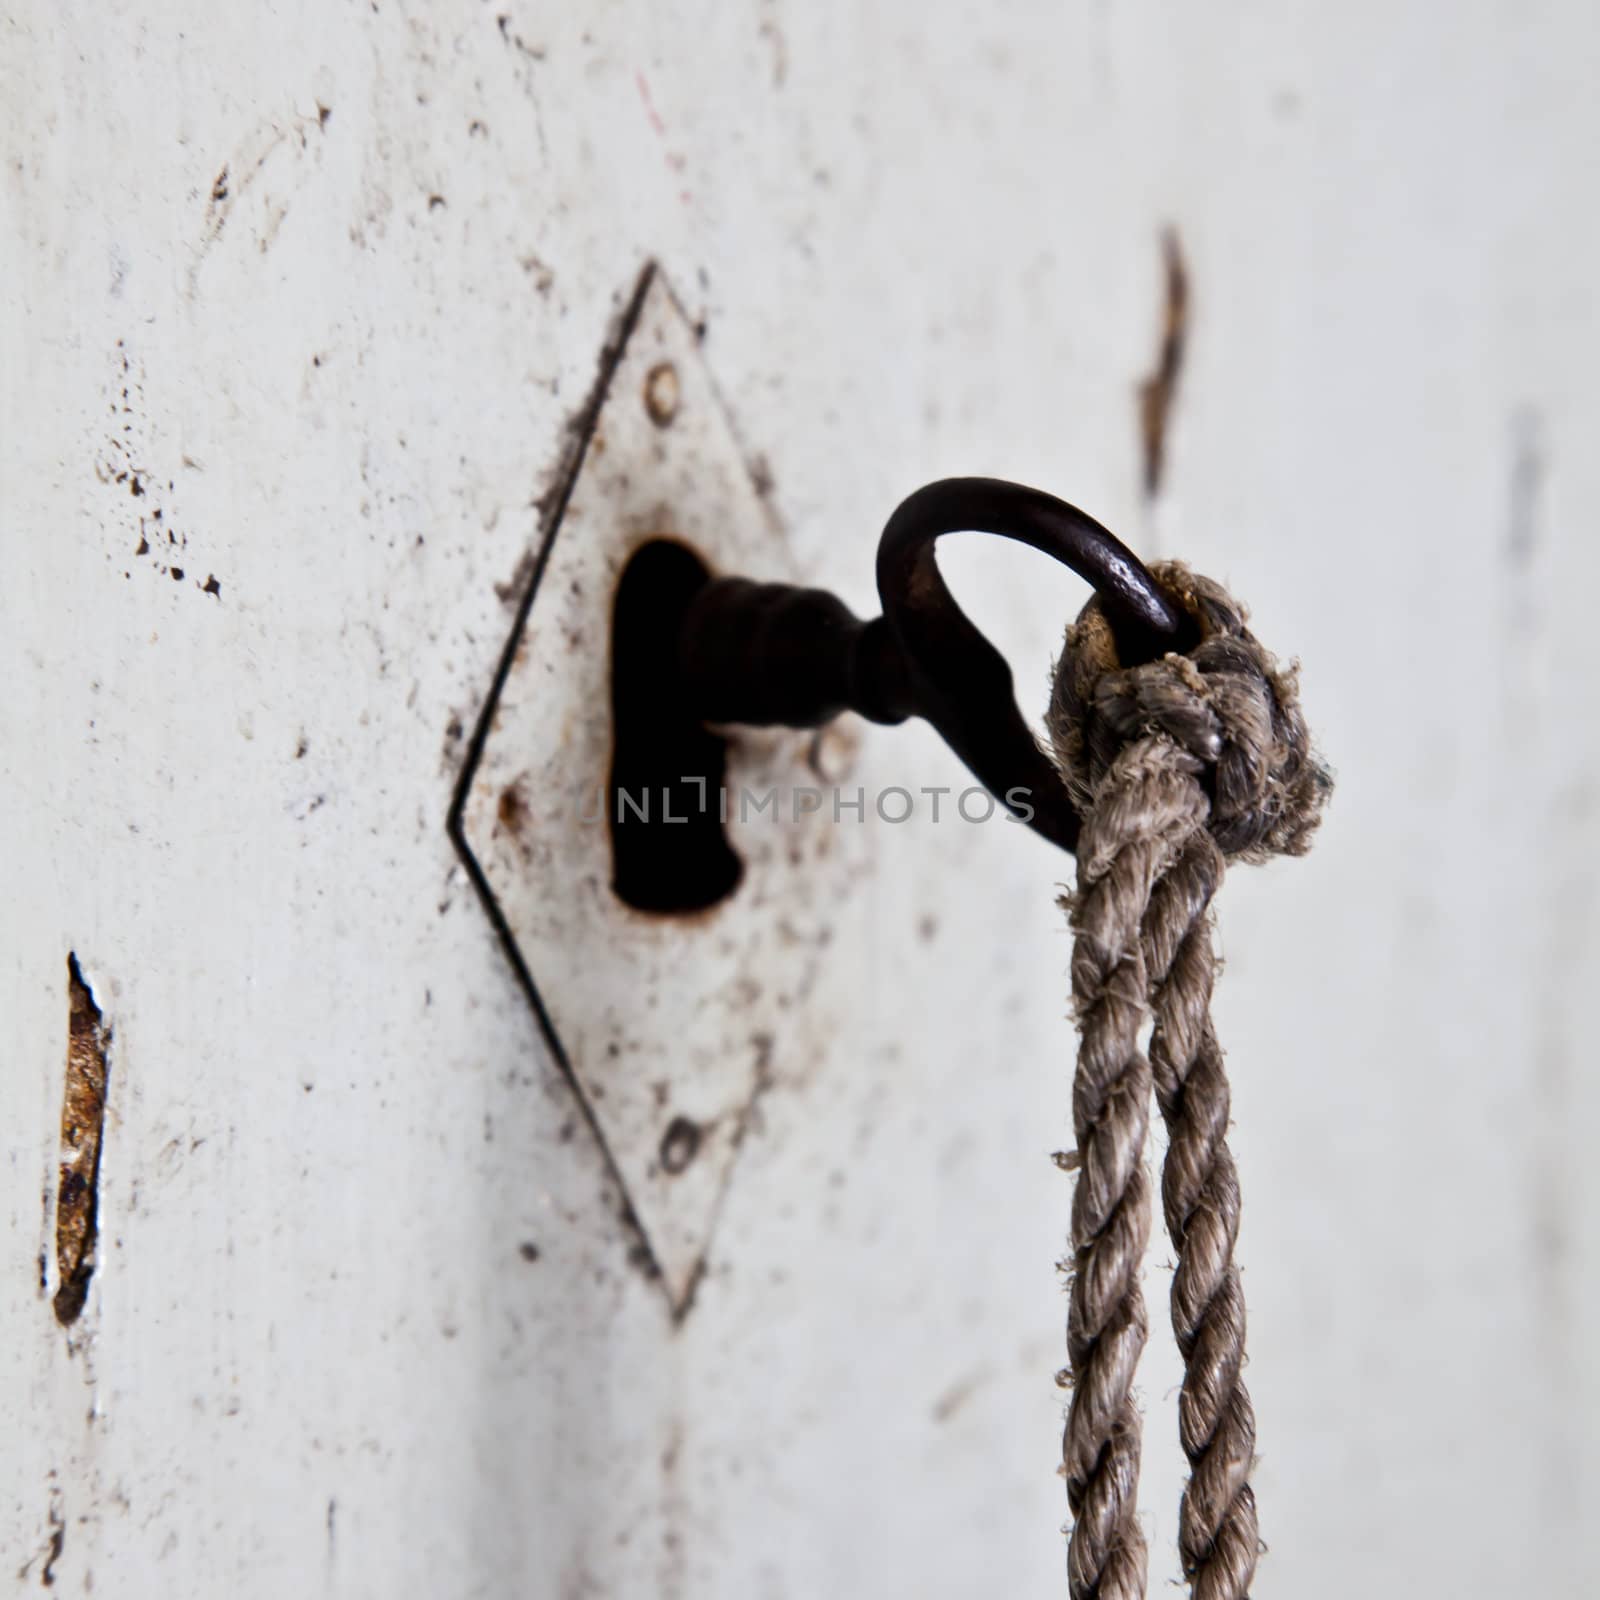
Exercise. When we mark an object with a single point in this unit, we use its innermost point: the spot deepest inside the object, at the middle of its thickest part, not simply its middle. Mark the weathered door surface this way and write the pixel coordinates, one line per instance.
(302, 306)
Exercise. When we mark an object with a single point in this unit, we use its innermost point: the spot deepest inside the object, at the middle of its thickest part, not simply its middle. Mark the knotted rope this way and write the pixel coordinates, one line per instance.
(1176, 766)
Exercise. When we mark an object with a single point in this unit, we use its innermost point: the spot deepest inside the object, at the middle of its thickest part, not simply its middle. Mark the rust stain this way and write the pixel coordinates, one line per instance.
(55, 1543)
(1159, 390)
(57, 1548)
(83, 1112)
(513, 809)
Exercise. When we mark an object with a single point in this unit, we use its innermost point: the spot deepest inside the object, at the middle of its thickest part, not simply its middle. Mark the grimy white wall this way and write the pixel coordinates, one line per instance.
(331, 280)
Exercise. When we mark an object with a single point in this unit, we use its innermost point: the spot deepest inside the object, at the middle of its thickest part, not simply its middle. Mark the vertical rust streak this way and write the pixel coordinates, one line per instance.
(83, 1111)
(1159, 390)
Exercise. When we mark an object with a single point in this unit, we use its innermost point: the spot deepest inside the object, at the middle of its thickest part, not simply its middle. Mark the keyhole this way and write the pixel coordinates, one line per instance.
(669, 850)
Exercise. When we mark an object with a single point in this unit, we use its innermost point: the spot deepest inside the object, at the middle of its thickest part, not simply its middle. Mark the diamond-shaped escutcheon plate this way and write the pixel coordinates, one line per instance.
(670, 1025)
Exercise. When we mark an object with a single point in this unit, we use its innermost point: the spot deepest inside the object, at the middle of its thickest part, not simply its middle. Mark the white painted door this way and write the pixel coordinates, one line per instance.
(300, 304)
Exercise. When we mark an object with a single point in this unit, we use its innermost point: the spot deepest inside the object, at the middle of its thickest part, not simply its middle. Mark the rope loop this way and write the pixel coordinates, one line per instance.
(1175, 765)
(1226, 704)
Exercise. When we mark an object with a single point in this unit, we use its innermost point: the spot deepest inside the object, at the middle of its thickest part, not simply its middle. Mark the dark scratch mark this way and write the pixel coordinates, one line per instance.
(55, 1542)
(532, 55)
(1159, 390)
(956, 1396)
(772, 32)
(534, 52)
(228, 186)
(57, 1547)
(1527, 485)
(542, 275)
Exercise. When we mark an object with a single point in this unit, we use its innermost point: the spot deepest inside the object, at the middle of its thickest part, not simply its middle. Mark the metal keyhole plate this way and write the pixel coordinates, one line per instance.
(670, 1024)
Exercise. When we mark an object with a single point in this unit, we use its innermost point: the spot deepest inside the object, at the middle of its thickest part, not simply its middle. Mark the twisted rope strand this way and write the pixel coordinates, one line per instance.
(1218, 1540)
(1176, 766)
(1126, 843)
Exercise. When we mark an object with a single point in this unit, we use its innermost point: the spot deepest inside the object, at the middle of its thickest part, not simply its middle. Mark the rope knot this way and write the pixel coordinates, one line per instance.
(1227, 707)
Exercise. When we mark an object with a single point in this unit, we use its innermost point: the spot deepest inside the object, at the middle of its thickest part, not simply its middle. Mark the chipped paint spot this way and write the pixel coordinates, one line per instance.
(83, 1110)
